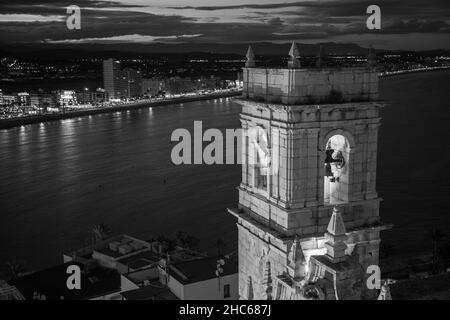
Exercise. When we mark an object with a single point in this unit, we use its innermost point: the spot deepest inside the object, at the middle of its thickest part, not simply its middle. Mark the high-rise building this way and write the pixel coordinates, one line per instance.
(112, 79)
(308, 214)
(133, 82)
(120, 83)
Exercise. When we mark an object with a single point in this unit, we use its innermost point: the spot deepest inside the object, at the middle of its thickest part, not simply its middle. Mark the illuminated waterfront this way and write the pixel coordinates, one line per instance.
(61, 178)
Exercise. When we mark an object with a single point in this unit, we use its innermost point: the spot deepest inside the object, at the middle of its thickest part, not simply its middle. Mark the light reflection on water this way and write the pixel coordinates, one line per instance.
(59, 179)
(66, 176)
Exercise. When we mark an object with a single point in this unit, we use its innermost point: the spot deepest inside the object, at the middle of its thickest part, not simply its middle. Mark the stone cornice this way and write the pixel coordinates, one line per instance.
(311, 107)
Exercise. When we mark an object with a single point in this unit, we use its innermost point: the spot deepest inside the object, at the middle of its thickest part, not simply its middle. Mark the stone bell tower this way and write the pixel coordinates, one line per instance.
(308, 214)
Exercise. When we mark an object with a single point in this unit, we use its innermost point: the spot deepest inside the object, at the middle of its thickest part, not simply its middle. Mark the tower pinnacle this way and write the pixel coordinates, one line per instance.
(294, 57)
(297, 262)
(336, 237)
(250, 63)
(336, 226)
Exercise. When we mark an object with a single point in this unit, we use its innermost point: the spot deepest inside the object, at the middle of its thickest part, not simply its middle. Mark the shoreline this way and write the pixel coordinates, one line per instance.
(403, 72)
(16, 122)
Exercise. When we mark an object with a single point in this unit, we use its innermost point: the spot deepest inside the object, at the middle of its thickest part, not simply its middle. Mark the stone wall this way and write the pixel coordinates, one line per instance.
(300, 110)
(303, 86)
(257, 247)
(294, 198)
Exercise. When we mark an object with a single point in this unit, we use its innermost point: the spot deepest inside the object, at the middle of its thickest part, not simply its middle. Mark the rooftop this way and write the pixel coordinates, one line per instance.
(123, 245)
(201, 269)
(51, 282)
(114, 247)
(141, 277)
(140, 260)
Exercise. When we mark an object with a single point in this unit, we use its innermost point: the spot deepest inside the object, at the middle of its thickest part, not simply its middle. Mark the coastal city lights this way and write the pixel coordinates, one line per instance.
(137, 87)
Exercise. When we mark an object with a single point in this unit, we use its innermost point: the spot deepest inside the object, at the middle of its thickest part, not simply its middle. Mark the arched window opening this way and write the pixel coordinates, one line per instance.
(336, 178)
(261, 156)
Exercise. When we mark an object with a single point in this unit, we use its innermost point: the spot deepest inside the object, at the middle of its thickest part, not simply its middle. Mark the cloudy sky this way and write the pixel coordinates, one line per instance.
(406, 24)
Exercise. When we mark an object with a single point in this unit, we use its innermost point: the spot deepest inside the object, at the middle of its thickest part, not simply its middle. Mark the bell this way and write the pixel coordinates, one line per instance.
(329, 159)
(338, 160)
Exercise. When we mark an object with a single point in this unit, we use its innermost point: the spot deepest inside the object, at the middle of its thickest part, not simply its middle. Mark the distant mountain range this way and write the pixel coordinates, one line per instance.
(138, 50)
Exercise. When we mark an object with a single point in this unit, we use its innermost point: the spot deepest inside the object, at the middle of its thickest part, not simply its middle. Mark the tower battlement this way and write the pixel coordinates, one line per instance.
(310, 85)
(297, 85)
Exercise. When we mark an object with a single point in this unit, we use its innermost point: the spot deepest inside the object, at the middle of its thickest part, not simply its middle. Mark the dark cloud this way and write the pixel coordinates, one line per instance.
(319, 20)
(321, 4)
(98, 24)
(433, 9)
(417, 26)
(48, 7)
